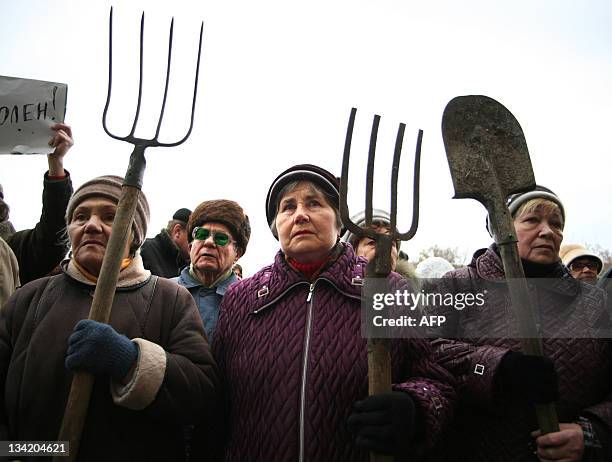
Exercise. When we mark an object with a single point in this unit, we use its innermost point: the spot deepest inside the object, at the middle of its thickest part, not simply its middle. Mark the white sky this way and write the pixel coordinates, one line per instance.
(277, 82)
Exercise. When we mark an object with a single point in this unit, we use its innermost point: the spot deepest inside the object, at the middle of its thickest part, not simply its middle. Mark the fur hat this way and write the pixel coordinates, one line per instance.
(109, 187)
(226, 212)
(514, 201)
(570, 252)
(303, 172)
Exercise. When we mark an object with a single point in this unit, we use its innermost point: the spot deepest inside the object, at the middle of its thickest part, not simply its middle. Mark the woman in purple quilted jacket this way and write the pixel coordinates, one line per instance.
(289, 345)
(497, 385)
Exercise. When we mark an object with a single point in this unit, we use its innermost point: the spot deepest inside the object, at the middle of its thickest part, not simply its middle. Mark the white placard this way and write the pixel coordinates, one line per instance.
(27, 109)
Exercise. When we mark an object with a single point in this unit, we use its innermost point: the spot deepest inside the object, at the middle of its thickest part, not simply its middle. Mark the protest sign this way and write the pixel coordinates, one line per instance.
(27, 109)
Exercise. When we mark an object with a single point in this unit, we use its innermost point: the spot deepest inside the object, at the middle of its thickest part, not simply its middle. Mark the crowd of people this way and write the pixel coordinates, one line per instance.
(198, 363)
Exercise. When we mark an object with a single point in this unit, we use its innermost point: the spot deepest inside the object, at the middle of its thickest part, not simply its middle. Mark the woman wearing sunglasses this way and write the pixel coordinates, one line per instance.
(294, 361)
(218, 233)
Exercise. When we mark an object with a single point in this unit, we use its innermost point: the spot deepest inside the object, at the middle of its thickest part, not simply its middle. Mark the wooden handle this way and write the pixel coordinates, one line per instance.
(522, 305)
(82, 382)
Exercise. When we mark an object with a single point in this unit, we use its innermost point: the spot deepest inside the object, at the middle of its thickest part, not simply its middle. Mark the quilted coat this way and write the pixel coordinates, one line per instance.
(491, 428)
(294, 362)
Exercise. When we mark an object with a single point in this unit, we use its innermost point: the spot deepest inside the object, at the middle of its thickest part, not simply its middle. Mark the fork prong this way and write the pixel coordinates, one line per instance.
(370, 171)
(415, 194)
(110, 76)
(140, 77)
(163, 107)
(344, 212)
(195, 94)
(397, 154)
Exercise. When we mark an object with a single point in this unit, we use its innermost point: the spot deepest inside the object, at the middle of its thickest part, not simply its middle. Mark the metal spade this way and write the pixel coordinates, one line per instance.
(488, 160)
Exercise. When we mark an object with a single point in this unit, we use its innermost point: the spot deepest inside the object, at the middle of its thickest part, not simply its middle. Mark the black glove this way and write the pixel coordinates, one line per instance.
(531, 378)
(384, 423)
(98, 348)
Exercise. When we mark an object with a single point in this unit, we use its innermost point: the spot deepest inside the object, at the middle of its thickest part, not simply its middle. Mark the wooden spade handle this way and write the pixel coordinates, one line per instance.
(530, 341)
(82, 382)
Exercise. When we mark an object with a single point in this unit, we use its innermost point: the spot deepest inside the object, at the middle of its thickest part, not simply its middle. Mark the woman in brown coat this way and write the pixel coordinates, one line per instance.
(152, 364)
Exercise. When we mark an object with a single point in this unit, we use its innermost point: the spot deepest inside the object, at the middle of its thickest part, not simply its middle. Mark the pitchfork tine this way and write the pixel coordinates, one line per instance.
(395, 172)
(195, 94)
(344, 213)
(415, 192)
(110, 76)
(139, 76)
(370, 170)
(163, 108)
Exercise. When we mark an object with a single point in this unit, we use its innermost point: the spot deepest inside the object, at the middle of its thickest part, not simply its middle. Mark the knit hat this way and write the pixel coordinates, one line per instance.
(378, 216)
(570, 252)
(303, 172)
(182, 215)
(514, 201)
(109, 187)
(226, 212)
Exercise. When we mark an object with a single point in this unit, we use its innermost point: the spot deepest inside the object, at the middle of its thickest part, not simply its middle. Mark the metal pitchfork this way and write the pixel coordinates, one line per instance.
(379, 357)
(82, 383)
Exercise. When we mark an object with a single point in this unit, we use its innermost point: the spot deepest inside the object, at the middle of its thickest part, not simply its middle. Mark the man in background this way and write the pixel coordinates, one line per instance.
(168, 252)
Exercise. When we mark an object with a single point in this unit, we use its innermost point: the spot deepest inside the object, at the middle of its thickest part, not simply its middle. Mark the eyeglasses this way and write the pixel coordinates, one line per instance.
(219, 238)
(579, 266)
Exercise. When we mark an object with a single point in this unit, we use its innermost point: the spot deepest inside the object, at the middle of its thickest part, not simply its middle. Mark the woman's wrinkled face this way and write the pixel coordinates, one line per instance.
(89, 231)
(539, 233)
(306, 224)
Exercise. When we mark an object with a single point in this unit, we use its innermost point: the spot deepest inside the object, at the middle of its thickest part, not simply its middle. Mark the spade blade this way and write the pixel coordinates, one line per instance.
(486, 149)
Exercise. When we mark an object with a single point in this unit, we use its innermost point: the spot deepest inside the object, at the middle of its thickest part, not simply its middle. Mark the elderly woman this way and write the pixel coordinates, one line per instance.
(289, 344)
(498, 384)
(219, 233)
(152, 364)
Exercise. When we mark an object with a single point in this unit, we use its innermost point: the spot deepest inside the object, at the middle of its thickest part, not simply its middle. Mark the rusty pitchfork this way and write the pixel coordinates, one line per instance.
(80, 391)
(379, 357)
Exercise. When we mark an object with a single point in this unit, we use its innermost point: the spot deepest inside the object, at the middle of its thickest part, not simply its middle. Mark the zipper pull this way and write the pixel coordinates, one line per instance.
(310, 292)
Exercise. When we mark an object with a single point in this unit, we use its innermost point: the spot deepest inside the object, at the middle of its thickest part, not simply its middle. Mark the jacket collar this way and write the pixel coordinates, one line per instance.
(189, 282)
(345, 274)
(132, 276)
(489, 266)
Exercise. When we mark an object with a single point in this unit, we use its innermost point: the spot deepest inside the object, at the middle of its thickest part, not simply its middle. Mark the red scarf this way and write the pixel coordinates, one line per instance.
(308, 269)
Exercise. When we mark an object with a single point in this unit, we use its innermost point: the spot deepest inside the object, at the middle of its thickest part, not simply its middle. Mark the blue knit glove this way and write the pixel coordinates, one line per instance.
(98, 348)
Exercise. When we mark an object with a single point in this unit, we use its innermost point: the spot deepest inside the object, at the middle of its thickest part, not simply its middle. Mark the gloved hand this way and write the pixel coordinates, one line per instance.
(98, 348)
(384, 423)
(532, 378)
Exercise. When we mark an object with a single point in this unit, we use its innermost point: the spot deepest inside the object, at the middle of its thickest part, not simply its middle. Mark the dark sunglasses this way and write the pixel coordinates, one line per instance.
(219, 237)
(579, 266)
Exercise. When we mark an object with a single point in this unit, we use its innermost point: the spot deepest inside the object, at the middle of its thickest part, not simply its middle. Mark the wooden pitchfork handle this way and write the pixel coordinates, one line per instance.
(82, 382)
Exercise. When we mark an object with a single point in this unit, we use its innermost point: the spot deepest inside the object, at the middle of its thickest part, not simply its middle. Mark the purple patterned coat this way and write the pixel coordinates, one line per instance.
(294, 362)
(488, 427)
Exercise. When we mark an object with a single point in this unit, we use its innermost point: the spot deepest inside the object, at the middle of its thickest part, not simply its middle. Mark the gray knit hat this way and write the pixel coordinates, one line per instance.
(109, 187)
(514, 201)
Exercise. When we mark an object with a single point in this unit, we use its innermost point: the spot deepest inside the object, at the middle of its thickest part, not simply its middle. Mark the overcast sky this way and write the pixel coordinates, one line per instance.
(278, 80)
